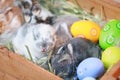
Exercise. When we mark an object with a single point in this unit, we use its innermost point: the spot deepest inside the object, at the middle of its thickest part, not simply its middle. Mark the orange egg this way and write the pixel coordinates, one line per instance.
(86, 29)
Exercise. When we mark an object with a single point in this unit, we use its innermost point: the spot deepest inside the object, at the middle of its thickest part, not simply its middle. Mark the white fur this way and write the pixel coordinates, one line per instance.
(42, 13)
(45, 13)
(27, 39)
(26, 11)
(19, 3)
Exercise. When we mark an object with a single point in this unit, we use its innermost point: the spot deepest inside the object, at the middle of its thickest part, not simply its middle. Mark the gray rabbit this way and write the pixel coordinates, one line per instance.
(62, 25)
(66, 60)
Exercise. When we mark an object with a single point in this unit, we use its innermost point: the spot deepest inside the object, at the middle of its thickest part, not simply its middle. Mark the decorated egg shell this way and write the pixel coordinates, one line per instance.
(89, 78)
(90, 67)
(110, 56)
(86, 29)
(110, 34)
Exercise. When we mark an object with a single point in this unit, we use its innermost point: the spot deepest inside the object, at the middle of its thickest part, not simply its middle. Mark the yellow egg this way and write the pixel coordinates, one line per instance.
(86, 29)
(110, 56)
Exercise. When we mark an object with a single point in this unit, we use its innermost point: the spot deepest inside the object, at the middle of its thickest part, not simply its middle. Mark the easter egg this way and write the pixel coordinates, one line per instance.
(89, 78)
(86, 29)
(90, 67)
(110, 34)
(110, 56)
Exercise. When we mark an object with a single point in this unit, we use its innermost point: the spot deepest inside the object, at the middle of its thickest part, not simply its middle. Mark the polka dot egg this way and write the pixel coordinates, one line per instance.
(110, 34)
(86, 29)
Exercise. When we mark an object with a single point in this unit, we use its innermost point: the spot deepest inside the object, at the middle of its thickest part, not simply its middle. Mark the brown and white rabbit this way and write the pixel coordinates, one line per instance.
(11, 18)
(39, 38)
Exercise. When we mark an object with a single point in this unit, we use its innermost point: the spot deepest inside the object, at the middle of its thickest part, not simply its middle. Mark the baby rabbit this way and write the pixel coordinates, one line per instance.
(62, 25)
(38, 38)
(66, 60)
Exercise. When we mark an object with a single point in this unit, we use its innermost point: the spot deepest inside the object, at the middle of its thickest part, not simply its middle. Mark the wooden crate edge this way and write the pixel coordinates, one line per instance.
(22, 69)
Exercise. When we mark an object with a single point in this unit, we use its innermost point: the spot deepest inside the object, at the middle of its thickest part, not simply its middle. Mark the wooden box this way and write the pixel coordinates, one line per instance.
(15, 67)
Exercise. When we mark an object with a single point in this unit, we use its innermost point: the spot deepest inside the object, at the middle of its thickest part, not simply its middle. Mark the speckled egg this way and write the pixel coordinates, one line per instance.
(110, 34)
(110, 56)
(90, 67)
(86, 29)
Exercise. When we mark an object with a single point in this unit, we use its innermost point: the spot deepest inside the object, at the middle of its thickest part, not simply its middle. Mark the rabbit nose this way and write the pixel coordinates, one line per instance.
(43, 49)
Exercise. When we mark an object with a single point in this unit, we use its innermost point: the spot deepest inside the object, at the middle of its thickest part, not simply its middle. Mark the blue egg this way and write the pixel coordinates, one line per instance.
(89, 78)
(90, 67)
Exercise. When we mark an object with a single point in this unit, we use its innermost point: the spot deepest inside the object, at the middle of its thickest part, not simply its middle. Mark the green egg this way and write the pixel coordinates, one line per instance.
(110, 34)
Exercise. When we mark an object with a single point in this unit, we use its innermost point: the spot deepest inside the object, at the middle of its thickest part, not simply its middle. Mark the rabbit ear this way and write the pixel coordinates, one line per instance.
(70, 48)
(60, 50)
(7, 10)
(64, 26)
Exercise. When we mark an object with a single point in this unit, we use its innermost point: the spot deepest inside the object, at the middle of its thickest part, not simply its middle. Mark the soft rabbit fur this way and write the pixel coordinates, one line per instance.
(66, 60)
(11, 19)
(62, 25)
(25, 6)
(33, 11)
(5, 4)
(39, 38)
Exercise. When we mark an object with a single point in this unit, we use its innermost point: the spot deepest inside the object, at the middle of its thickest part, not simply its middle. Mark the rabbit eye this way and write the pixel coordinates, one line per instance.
(38, 35)
(61, 50)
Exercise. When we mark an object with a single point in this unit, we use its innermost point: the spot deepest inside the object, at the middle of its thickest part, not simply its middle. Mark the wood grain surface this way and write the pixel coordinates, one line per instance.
(110, 9)
(15, 67)
(113, 73)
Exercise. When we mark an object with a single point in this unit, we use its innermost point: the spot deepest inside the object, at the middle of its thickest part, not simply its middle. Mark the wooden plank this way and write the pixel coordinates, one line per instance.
(22, 69)
(113, 73)
(110, 9)
(112, 4)
(5, 76)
